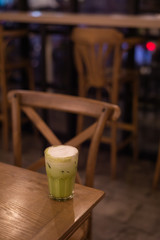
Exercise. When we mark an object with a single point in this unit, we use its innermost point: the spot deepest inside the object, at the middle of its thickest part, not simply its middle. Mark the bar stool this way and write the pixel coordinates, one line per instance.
(6, 67)
(93, 49)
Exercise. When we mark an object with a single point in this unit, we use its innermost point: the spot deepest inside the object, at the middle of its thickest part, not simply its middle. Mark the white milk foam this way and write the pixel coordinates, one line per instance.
(62, 151)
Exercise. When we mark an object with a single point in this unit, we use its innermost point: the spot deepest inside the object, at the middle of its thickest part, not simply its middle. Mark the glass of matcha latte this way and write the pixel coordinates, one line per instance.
(61, 167)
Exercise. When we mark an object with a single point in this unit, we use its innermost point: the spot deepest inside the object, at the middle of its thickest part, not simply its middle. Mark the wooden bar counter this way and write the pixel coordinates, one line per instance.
(103, 20)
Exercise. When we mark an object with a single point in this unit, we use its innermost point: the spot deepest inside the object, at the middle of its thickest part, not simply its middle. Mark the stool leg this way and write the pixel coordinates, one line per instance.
(31, 79)
(157, 170)
(135, 120)
(114, 100)
(4, 103)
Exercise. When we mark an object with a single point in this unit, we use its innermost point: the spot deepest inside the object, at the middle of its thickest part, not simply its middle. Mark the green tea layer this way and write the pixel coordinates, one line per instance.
(61, 167)
(61, 187)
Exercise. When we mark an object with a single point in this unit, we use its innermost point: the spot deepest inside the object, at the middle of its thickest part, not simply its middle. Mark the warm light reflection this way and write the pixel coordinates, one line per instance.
(157, 15)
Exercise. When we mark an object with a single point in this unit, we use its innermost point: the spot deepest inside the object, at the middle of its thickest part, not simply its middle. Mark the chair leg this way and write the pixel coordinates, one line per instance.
(113, 150)
(4, 103)
(135, 120)
(5, 118)
(157, 170)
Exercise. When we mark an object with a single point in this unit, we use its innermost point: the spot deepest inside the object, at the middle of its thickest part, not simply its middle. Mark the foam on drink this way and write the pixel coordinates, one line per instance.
(62, 151)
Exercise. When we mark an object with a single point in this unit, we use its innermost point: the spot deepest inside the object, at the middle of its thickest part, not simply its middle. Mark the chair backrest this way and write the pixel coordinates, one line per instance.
(29, 101)
(94, 49)
(7, 36)
(10, 55)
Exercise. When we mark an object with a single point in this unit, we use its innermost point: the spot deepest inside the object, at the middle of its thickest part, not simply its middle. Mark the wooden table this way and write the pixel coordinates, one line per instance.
(103, 20)
(26, 212)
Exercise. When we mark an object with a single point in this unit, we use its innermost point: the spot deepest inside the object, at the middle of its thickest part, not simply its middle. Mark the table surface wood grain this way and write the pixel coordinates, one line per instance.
(103, 20)
(26, 212)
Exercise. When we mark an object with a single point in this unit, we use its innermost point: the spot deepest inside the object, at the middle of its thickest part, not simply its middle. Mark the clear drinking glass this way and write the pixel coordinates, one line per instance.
(61, 167)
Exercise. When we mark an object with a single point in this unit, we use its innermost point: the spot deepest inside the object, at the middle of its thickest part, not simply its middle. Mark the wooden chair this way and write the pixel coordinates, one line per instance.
(157, 170)
(6, 67)
(30, 101)
(98, 58)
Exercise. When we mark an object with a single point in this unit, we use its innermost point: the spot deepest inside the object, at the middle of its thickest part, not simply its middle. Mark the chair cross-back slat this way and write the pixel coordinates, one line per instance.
(41, 125)
(27, 101)
(82, 137)
(50, 136)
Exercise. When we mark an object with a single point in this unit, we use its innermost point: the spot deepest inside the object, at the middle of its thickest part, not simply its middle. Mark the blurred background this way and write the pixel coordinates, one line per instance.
(58, 50)
(130, 209)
